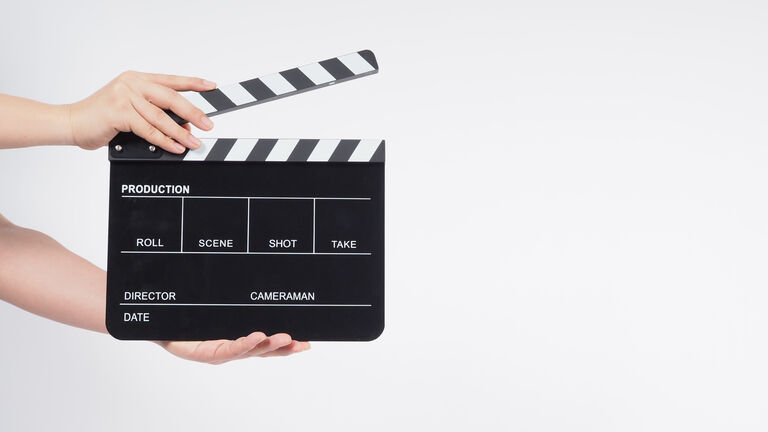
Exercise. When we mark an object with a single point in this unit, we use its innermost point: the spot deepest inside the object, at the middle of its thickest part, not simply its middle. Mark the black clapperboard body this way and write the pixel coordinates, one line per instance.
(243, 235)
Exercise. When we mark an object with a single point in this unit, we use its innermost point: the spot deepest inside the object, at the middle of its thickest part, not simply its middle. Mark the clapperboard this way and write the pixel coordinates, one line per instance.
(243, 235)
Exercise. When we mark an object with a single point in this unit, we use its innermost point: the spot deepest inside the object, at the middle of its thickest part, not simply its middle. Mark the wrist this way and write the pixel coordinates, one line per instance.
(65, 112)
(74, 126)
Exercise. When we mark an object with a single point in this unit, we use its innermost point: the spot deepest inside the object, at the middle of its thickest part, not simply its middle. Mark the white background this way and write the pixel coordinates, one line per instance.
(576, 214)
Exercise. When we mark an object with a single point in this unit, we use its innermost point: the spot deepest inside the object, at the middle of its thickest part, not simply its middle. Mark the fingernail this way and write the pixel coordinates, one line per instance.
(179, 148)
(209, 84)
(195, 141)
(207, 123)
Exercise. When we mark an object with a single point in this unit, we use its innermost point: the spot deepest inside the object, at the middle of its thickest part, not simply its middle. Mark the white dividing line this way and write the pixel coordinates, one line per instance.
(314, 224)
(247, 304)
(181, 245)
(248, 229)
(244, 197)
(243, 253)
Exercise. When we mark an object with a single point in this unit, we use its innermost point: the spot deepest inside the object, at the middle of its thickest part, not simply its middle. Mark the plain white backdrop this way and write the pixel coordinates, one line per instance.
(576, 214)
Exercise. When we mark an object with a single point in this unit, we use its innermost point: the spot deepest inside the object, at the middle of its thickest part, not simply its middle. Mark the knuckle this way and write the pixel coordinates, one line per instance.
(180, 101)
(180, 133)
(127, 76)
(119, 87)
(172, 96)
(158, 116)
(157, 137)
(167, 92)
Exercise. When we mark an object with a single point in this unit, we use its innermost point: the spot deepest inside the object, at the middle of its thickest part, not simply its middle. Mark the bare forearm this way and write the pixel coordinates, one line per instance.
(41, 276)
(26, 123)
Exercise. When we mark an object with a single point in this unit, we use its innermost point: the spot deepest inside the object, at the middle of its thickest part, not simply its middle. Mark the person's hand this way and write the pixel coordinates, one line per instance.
(134, 102)
(256, 344)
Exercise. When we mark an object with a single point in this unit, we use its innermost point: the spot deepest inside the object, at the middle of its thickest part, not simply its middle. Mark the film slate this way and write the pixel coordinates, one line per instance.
(249, 234)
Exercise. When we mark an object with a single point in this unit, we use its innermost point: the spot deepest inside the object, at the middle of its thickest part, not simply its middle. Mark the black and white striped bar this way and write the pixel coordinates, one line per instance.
(285, 83)
(283, 150)
(127, 146)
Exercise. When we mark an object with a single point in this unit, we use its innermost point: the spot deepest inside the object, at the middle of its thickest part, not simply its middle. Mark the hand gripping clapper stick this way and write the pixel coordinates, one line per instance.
(243, 235)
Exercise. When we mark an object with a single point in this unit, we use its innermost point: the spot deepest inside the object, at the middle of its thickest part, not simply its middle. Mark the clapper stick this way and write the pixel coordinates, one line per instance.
(127, 146)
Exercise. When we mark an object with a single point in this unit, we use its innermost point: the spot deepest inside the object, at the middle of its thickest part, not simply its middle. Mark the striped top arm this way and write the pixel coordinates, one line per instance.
(283, 150)
(127, 146)
(286, 83)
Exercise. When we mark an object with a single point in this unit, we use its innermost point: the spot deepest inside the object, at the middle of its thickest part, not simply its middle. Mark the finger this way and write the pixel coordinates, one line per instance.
(231, 350)
(187, 126)
(144, 129)
(292, 348)
(270, 344)
(180, 83)
(167, 98)
(160, 120)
